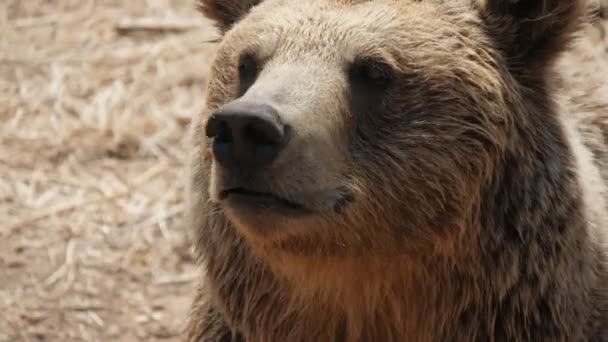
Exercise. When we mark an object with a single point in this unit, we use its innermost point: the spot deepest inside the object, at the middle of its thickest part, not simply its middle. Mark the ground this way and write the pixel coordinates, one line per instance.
(95, 97)
(93, 112)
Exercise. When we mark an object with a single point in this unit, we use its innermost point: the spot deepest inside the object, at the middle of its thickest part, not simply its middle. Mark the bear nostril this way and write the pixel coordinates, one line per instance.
(224, 134)
(218, 129)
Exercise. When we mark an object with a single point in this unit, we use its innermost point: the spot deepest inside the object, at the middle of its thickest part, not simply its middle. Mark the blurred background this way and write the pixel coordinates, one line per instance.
(95, 99)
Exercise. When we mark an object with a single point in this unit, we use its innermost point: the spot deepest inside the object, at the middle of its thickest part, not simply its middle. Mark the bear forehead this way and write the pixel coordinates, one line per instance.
(389, 29)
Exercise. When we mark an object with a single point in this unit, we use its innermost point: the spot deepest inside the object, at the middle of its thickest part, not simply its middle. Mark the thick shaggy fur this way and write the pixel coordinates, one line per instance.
(468, 201)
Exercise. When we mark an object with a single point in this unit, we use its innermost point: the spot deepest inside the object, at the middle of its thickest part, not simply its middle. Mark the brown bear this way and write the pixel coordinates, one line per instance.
(401, 171)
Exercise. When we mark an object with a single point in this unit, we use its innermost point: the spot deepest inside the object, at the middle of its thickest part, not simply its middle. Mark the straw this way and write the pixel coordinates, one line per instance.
(95, 97)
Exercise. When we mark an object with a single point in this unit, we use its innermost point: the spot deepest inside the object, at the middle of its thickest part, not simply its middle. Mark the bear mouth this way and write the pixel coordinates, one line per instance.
(243, 198)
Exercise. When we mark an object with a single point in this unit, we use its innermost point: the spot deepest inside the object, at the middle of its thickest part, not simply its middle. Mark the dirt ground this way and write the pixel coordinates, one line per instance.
(95, 97)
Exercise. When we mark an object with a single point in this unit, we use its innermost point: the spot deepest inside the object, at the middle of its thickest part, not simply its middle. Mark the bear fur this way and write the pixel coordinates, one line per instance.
(453, 156)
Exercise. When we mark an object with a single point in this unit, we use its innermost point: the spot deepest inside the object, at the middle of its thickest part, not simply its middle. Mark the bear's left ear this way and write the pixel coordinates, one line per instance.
(225, 13)
(531, 31)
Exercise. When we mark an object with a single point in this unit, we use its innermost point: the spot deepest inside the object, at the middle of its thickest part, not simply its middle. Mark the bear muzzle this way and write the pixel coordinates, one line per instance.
(247, 137)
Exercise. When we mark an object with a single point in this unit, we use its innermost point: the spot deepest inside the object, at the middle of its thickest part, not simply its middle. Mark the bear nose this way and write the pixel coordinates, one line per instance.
(246, 135)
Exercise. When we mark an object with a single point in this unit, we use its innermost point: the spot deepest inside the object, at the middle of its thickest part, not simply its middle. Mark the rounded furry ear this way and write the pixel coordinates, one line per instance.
(531, 31)
(225, 12)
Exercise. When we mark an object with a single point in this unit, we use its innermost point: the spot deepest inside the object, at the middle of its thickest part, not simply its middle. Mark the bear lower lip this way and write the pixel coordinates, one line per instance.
(249, 199)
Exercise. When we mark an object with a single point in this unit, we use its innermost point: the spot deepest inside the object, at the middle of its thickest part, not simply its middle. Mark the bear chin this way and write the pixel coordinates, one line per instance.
(256, 210)
(250, 202)
(263, 215)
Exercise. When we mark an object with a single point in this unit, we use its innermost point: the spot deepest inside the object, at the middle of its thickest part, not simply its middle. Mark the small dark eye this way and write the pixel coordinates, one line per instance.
(248, 72)
(370, 73)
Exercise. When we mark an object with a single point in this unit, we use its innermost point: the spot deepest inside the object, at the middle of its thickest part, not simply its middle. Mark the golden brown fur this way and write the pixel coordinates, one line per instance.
(467, 202)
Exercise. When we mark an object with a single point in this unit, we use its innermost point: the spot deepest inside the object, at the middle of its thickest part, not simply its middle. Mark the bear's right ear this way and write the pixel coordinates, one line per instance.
(225, 12)
(531, 31)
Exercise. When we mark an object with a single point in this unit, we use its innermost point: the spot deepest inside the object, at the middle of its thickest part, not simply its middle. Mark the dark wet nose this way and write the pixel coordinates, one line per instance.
(246, 135)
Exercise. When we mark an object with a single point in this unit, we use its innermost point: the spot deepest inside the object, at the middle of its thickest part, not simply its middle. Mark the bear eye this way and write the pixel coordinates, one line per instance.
(371, 74)
(248, 72)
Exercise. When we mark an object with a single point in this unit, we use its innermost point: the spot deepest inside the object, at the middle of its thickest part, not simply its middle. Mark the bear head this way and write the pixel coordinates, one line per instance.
(346, 126)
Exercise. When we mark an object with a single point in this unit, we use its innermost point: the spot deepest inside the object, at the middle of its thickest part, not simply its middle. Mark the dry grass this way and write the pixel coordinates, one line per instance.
(93, 110)
(94, 100)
